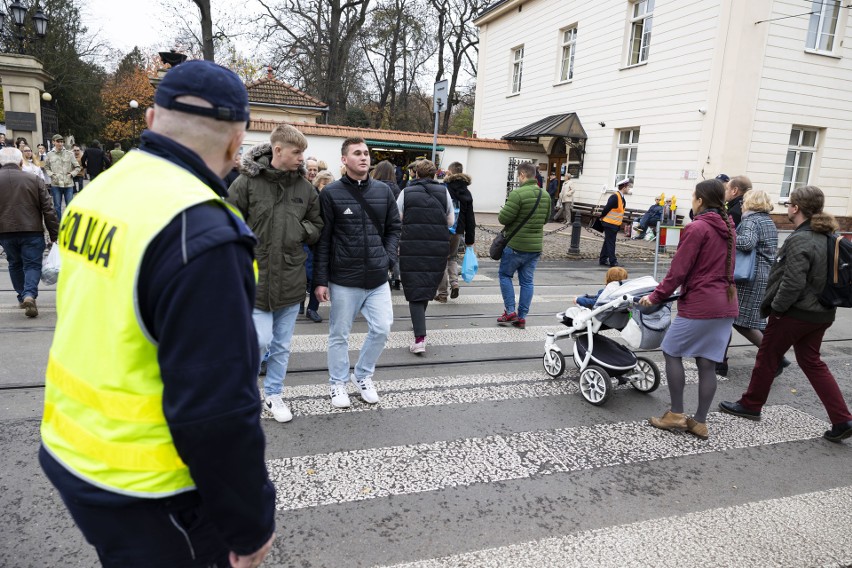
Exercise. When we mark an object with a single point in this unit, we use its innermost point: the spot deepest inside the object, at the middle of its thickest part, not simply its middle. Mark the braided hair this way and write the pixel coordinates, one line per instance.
(712, 195)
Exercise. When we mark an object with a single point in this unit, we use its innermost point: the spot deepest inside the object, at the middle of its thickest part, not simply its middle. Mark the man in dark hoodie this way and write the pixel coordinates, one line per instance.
(735, 190)
(796, 317)
(458, 184)
(357, 247)
(282, 208)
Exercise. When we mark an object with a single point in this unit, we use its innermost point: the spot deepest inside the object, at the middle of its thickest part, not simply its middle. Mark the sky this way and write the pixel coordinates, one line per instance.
(125, 23)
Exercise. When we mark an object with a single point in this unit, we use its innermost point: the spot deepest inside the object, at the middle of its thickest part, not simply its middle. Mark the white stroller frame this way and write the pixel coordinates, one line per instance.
(595, 373)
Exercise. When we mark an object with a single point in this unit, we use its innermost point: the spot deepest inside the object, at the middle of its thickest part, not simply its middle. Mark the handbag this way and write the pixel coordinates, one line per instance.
(597, 225)
(501, 240)
(745, 265)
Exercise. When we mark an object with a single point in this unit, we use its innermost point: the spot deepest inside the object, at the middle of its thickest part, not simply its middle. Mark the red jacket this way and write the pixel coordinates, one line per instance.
(699, 270)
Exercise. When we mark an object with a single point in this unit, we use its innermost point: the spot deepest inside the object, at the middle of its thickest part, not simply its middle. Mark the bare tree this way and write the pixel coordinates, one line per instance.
(311, 42)
(459, 45)
(207, 47)
(399, 43)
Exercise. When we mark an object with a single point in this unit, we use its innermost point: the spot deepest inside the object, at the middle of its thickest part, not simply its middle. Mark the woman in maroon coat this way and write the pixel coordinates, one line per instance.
(703, 269)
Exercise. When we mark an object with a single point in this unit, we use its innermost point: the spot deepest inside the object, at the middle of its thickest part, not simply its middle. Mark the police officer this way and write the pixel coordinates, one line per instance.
(151, 429)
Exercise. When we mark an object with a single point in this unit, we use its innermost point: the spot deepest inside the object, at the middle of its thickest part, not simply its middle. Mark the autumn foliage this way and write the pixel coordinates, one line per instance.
(123, 122)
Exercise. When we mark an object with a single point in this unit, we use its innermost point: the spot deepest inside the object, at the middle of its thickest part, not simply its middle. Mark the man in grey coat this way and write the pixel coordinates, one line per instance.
(796, 317)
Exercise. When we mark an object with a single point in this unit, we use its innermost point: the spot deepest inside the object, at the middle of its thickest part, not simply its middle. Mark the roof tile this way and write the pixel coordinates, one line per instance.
(270, 90)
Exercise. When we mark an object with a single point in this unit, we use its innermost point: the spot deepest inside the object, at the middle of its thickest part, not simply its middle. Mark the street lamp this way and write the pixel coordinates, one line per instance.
(19, 15)
(134, 104)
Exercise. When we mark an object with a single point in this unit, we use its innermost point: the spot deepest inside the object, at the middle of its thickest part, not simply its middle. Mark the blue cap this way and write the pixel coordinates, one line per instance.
(204, 79)
(723, 178)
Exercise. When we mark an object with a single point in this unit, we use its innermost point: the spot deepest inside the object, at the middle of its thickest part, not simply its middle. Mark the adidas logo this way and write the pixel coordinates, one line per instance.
(348, 212)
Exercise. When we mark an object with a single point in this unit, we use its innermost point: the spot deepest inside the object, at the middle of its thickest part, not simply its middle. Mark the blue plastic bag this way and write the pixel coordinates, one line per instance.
(469, 265)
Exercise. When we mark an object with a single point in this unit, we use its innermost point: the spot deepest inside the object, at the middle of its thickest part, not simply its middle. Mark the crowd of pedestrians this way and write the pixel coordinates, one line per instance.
(151, 429)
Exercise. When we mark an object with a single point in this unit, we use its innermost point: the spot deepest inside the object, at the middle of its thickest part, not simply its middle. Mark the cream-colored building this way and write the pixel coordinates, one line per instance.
(673, 91)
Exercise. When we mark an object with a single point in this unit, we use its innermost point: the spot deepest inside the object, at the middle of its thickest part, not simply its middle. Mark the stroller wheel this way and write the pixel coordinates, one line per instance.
(554, 363)
(595, 385)
(646, 376)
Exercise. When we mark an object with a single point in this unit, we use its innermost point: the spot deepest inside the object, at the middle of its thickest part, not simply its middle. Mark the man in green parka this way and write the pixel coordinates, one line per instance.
(282, 208)
(524, 249)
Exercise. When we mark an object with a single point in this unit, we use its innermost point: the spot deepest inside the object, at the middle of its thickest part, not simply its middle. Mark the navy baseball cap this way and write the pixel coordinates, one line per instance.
(204, 79)
(723, 178)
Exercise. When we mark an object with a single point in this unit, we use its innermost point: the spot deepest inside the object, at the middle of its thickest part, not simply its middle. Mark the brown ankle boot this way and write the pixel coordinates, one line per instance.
(669, 421)
(698, 429)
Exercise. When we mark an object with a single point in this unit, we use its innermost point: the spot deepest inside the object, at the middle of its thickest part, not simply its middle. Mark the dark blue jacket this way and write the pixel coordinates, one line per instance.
(209, 362)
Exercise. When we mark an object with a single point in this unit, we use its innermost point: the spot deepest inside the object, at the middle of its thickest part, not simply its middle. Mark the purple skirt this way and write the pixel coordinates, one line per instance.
(707, 338)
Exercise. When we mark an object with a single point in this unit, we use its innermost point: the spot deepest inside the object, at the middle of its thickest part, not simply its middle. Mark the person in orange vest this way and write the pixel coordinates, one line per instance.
(611, 218)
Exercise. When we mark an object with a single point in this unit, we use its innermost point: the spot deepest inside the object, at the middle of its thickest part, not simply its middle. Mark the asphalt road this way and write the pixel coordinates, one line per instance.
(475, 457)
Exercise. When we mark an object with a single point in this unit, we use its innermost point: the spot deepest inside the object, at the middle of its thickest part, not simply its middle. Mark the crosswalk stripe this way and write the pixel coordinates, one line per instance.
(488, 333)
(491, 299)
(768, 533)
(313, 400)
(315, 480)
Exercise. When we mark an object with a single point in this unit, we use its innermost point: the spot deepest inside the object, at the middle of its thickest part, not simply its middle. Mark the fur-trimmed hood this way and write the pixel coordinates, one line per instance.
(257, 161)
(461, 177)
(823, 223)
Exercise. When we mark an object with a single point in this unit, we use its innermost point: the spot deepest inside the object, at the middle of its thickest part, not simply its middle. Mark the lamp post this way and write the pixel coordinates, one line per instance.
(18, 12)
(134, 104)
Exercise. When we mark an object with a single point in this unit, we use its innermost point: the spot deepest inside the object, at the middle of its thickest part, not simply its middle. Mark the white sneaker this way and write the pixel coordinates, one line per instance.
(418, 347)
(368, 390)
(339, 396)
(275, 404)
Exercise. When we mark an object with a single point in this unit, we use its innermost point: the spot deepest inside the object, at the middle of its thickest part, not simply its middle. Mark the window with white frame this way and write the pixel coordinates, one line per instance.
(641, 21)
(517, 69)
(823, 24)
(628, 149)
(569, 41)
(800, 159)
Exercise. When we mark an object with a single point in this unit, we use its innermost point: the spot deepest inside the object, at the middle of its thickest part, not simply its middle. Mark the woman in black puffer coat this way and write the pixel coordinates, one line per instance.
(426, 211)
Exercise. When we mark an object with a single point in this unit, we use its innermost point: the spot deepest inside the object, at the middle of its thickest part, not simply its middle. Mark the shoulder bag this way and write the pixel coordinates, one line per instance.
(501, 240)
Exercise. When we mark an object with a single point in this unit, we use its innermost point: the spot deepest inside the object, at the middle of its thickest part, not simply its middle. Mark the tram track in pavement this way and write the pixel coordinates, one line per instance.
(417, 363)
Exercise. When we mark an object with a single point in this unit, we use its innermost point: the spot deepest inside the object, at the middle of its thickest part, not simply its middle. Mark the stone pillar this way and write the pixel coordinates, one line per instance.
(23, 78)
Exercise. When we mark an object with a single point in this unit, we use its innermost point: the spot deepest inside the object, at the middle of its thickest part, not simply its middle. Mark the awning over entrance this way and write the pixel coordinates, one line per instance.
(558, 125)
(402, 145)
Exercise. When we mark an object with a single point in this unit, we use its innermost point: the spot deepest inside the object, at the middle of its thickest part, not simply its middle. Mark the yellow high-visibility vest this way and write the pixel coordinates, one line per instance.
(103, 411)
(615, 216)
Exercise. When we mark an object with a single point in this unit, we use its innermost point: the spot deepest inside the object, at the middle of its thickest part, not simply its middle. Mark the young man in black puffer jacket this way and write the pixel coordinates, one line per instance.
(351, 265)
(458, 184)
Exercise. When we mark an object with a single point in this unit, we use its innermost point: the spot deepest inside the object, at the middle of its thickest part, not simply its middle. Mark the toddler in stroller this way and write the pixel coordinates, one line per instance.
(599, 357)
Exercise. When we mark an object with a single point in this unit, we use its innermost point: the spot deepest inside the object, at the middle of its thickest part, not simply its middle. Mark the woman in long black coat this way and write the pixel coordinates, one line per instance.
(427, 213)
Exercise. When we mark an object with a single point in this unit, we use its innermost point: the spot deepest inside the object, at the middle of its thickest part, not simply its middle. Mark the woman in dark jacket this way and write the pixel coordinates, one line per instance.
(703, 269)
(426, 211)
(386, 172)
(757, 232)
(465, 228)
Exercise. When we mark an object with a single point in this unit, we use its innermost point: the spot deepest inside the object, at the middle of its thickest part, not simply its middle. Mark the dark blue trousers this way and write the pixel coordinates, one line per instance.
(608, 248)
(24, 251)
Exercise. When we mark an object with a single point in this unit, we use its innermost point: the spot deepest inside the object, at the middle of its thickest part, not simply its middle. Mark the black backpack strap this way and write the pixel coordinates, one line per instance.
(369, 210)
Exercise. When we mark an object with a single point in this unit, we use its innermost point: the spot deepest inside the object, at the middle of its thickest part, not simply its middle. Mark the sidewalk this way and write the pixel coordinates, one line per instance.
(556, 244)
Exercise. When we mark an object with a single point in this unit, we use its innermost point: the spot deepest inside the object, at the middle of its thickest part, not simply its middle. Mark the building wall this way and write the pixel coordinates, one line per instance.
(804, 89)
(753, 82)
(284, 114)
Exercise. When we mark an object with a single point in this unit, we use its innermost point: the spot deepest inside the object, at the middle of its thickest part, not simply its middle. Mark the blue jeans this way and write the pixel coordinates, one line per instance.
(24, 254)
(524, 264)
(377, 307)
(58, 193)
(275, 332)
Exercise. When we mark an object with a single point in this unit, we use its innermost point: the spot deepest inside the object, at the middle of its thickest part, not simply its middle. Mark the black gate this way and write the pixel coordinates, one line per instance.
(49, 122)
(512, 174)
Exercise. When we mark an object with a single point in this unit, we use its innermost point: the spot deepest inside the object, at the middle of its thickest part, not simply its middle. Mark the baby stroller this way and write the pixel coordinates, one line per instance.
(599, 357)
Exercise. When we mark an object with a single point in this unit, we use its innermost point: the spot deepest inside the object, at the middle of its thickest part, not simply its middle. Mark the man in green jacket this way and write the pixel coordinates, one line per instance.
(796, 317)
(282, 209)
(524, 249)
